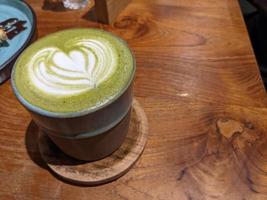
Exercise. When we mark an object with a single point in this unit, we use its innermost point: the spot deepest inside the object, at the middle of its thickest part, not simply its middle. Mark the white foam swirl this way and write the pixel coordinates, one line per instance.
(90, 62)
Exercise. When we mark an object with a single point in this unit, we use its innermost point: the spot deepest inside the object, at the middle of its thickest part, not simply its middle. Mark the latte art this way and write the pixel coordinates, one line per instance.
(84, 67)
(74, 70)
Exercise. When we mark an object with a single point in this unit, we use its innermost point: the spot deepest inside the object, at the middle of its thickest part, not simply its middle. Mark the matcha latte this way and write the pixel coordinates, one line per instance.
(74, 70)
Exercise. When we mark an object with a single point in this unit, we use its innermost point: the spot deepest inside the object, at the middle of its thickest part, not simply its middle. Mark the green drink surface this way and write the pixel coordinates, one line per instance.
(74, 70)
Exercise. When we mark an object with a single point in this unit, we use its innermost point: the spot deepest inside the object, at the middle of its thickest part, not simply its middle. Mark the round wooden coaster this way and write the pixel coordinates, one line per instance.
(107, 169)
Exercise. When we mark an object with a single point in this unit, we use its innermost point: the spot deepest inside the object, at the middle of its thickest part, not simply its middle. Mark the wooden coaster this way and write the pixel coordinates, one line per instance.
(107, 169)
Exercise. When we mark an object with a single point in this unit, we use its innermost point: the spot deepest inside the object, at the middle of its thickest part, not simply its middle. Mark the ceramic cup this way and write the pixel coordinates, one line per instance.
(87, 135)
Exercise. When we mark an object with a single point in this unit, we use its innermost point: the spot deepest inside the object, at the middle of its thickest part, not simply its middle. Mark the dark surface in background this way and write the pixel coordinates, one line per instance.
(255, 15)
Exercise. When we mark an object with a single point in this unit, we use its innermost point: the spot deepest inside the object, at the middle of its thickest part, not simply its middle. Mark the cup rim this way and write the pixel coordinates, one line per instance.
(81, 113)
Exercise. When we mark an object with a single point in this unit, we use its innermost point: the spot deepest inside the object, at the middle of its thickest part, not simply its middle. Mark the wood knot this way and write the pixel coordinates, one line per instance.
(136, 26)
(229, 127)
(125, 22)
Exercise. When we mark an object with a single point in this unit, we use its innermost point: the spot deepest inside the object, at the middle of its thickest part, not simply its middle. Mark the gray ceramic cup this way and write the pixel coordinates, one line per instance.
(87, 135)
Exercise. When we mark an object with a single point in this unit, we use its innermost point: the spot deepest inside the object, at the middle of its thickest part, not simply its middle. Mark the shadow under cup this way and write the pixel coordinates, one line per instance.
(86, 135)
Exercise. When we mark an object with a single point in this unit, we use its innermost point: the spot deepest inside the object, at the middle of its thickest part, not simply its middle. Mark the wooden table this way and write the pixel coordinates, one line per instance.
(200, 86)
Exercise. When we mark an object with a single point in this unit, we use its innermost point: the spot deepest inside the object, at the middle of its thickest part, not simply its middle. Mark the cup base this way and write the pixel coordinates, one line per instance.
(92, 148)
(106, 169)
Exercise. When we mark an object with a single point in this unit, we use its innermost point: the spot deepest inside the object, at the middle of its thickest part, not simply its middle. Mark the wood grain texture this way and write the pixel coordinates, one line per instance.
(105, 170)
(108, 10)
(200, 86)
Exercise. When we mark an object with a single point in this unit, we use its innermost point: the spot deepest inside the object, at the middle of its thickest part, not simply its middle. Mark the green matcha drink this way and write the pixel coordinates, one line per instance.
(74, 70)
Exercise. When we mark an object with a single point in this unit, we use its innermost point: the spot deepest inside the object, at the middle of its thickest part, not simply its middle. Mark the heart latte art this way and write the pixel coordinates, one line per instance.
(89, 63)
(74, 70)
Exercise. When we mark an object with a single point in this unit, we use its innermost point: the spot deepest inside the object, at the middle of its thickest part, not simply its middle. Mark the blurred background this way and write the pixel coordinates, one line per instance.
(255, 15)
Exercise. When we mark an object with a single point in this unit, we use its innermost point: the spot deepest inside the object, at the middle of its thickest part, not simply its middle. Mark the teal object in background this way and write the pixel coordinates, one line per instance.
(18, 20)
